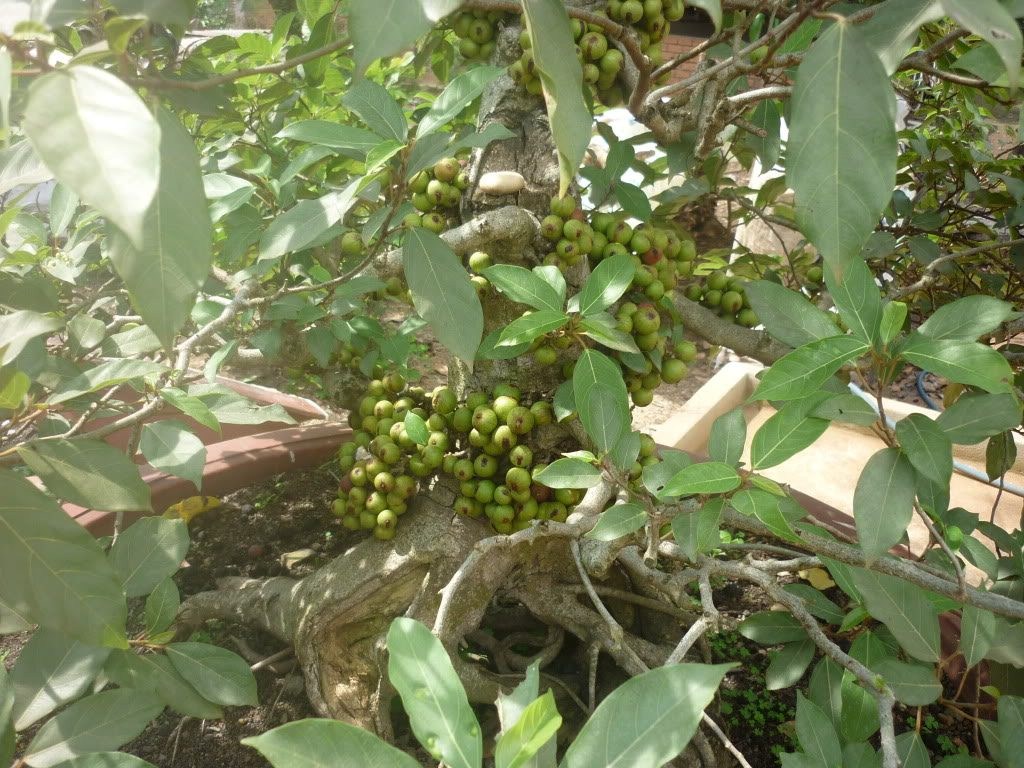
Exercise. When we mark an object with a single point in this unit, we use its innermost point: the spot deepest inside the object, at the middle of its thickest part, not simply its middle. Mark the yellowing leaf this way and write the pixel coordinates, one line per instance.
(818, 578)
(193, 506)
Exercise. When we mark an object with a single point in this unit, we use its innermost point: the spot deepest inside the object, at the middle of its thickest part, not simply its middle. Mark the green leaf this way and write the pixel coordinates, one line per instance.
(842, 144)
(911, 751)
(536, 726)
(713, 8)
(883, 502)
(816, 602)
(618, 521)
(787, 665)
(433, 697)
(569, 473)
(647, 720)
(456, 96)
(166, 265)
(349, 140)
(154, 672)
(962, 761)
(892, 29)
(965, 362)
(316, 743)
(860, 712)
(377, 108)
(171, 447)
(655, 475)
(904, 609)
(1011, 729)
(97, 723)
(697, 532)
(192, 407)
(767, 116)
(19, 328)
(176, 12)
(632, 200)
(1000, 454)
(8, 737)
(301, 225)
(442, 293)
(768, 508)
(532, 326)
(523, 286)
(992, 22)
(786, 433)
(217, 674)
(967, 318)
(610, 279)
(98, 138)
(21, 166)
(89, 473)
(561, 74)
(912, 684)
(106, 760)
(788, 315)
(803, 371)
(849, 409)
(825, 689)
(974, 417)
(14, 385)
(551, 275)
(149, 551)
(927, 446)
(601, 398)
(602, 329)
(703, 478)
(857, 298)
(817, 735)
(107, 374)
(85, 333)
(894, 315)
(417, 428)
(52, 670)
(772, 628)
(161, 607)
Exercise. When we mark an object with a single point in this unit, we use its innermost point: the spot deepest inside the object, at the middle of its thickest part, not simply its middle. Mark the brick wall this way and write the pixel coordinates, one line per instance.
(672, 46)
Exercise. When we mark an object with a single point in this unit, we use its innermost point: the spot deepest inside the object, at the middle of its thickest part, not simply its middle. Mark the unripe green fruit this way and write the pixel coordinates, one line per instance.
(640, 243)
(503, 515)
(367, 520)
(468, 48)
(358, 475)
(503, 405)
(642, 397)
(647, 446)
(693, 292)
(567, 249)
(485, 466)
(572, 229)
(815, 274)
(594, 45)
(406, 486)
(551, 228)
(484, 491)
(504, 438)
(338, 507)
(444, 400)
(463, 506)
(712, 298)
(384, 409)
(731, 302)
(480, 284)
(520, 420)
(485, 420)
(462, 22)
(418, 183)
(432, 456)
(524, 40)
(632, 11)
(518, 479)
(383, 533)
(351, 244)
(411, 220)
(468, 488)
(621, 232)
(542, 413)
(390, 453)
(545, 356)
(502, 495)
(448, 463)
(650, 380)
(521, 456)
(421, 202)
(563, 207)
(479, 261)
(674, 9)
(433, 222)
(673, 371)
(646, 319)
(376, 502)
(718, 281)
(478, 439)
(476, 399)
(464, 470)
(685, 351)
(655, 290)
(446, 169)
(748, 318)
(436, 191)
(506, 390)
(438, 439)
(462, 419)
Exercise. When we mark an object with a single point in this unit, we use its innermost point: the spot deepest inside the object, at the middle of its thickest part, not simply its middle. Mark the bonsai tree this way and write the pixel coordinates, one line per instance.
(257, 199)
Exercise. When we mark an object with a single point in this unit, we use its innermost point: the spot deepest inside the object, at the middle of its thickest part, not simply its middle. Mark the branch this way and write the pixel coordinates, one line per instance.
(743, 341)
(930, 275)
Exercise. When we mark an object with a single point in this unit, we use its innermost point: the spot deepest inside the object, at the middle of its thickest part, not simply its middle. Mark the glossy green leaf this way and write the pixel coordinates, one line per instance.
(967, 318)
(786, 433)
(894, 315)
(860, 712)
(301, 225)
(192, 407)
(562, 77)
(417, 428)
(825, 689)
(21, 166)
(525, 329)
(603, 329)
(164, 268)
(51, 670)
(85, 333)
(848, 409)
(377, 108)
(610, 279)
(569, 473)
(858, 300)
(433, 697)
(523, 286)
(171, 447)
(106, 760)
(817, 736)
(535, 727)
(107, 374)
(1000, 454)
(14, 385)
(728, 434)
(219, 675)
(442, 293)
(98, 138)
(19, 328)
(647, 720)
(772, 628)
(965, 362)
(912, 684)
(904, 608)
(601, 398)
(511, 707)
(97, 723)
(911, 751)
(90, 473)
(8, 737)
(787, 315)
(841, 156)
(618, 521)
(803, 371)
(816, 602)
(633, 200)
(456, 96)
(927, 446)
(777, 513)
(991, 21)
(349, 140)
(1010, 710)
(892, 29)
(149, 551)
(698, 532)
(883, 502)
(703, 478)
(787, 665)
(316, 743)
(154, 672)
(655, 475)
(973, 417)
(161, 606)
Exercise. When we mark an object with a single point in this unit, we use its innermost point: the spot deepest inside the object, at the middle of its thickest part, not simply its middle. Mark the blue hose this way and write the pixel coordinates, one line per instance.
(925, 397)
